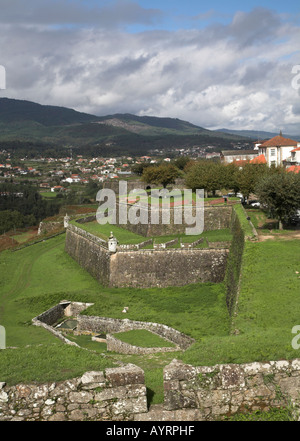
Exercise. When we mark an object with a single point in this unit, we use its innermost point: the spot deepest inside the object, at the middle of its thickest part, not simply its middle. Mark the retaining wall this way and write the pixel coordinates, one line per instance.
(89, 252)
(167, 267)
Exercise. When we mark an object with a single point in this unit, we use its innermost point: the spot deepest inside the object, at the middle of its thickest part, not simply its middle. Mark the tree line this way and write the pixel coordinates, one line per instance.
(277, 189)
(23, 206)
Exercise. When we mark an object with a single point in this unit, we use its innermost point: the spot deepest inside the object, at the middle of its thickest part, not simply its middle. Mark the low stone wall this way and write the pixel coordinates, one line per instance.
(106, 325)
(48, 227)
(223, 390)
(168, 244)
(205, 393)
(135, 246)
(191, 244)
(65, 308)
(116, 345)
(113, 394)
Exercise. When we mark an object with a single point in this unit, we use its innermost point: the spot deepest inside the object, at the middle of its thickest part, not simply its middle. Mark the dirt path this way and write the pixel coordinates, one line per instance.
(288, 236)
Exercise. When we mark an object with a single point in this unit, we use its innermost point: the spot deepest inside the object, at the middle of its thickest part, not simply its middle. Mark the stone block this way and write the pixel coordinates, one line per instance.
(177, 370)
(232, 376)
(129, 374)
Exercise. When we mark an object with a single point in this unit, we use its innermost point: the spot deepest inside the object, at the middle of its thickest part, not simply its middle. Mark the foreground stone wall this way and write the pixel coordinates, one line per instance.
(223, 390)
(113, 394)
(205, 393)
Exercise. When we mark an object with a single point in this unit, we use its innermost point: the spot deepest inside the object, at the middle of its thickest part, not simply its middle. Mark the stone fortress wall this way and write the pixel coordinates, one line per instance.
(157, 267)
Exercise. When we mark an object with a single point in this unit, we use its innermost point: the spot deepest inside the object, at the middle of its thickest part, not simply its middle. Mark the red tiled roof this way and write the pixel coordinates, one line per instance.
(240, 162)
(296, 150)
(259, 160)
(294, 169)
(279, 141)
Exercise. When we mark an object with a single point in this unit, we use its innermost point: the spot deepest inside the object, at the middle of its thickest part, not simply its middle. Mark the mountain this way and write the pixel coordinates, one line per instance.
(257, 134)
(12, 111)
(28, 122)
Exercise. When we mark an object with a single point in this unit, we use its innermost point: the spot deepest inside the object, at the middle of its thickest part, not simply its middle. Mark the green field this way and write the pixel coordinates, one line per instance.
(37, 277)
(128, 237)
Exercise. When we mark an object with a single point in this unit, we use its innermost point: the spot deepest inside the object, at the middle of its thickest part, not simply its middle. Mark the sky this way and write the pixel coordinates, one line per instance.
(216, 64)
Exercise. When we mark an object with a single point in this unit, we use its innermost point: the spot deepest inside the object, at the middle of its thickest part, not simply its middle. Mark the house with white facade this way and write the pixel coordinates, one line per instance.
(277, 150)
(294, 159)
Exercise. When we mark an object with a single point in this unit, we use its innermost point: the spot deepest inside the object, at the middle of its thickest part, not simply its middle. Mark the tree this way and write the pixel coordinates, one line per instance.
(9, 220)
(248, 177)
(163, 174)
(181, 162)
(204, 175)
(229, 177)
(280, 192)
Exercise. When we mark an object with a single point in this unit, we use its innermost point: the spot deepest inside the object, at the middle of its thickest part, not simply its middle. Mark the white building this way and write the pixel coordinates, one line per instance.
(294, 159)
(277, 150)
(228, 156)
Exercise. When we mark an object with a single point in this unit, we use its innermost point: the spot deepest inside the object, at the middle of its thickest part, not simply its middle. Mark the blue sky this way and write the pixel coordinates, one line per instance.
(178, 14)
(216, 64)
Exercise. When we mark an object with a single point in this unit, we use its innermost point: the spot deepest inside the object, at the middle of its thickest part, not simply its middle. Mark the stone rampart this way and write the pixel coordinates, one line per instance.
(167, 267)
(90, 253)
(145, 268)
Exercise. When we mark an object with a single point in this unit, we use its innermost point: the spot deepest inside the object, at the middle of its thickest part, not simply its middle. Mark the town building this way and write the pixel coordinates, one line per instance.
(228, 156)
(277, 150)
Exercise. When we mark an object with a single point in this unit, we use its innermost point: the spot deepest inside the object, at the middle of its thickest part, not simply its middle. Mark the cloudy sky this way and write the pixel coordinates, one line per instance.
(216, 64)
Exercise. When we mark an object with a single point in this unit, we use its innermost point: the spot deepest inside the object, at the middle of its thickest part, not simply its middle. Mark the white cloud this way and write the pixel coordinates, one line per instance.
(234, 76)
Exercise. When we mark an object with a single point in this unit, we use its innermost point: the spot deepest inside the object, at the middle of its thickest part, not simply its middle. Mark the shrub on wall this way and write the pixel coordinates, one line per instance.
(234, 261)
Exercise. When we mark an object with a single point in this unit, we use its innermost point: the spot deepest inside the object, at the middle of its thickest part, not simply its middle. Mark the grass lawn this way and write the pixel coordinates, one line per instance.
(127, 237)
(37, 277)
(143, 339)
(268, 308)
(24, 236)
(48, 194)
